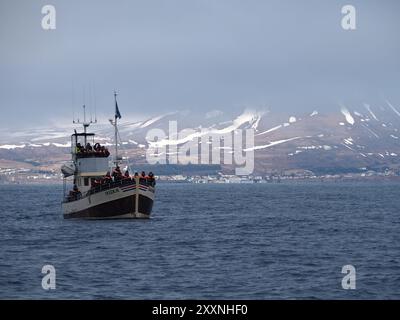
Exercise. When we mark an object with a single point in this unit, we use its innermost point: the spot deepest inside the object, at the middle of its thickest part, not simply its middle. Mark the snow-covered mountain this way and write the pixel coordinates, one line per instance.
(349, 138)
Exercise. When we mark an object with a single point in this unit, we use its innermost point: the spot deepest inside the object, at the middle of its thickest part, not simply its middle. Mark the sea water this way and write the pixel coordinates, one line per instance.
(258, 241)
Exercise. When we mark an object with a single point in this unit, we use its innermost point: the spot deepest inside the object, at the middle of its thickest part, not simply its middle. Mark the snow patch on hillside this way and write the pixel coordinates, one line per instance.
(347, 115)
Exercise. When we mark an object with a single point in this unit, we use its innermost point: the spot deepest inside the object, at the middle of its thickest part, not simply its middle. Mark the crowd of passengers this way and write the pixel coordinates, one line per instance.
(92, 151)
(116, 176)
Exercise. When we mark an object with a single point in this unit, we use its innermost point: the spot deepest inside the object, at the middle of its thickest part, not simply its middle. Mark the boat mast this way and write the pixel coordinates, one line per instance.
(116, 129)
(85, 124)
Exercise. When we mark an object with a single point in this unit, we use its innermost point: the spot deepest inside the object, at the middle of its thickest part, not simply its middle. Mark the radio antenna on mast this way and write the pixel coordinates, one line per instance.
(94, 101)
(95, 105)
(85, 123)
(73, 102)
(91, 102)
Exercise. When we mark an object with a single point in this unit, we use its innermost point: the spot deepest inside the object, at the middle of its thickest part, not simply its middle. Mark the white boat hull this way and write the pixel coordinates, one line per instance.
(121, 202)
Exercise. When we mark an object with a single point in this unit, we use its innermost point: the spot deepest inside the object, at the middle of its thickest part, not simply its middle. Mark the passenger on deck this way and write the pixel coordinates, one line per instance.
(126, 176)
(75, 194)
(117, 174)
(107, 179)
(97, 147)
(96, 183)
(151, 180)
(78, 148)
(143, 178)
(89, 147)
(105, 151)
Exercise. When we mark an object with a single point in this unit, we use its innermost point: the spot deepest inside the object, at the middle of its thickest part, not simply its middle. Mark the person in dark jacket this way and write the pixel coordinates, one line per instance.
(126, 176)
(117, 174)
(151, 180)
(89, 147)
(143, 178)
(75, 194)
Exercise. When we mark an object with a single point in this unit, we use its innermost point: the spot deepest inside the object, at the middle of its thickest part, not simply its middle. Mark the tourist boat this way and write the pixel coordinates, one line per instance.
(95, 195)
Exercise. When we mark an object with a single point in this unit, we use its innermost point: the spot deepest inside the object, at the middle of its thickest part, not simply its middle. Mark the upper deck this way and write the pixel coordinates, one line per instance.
(90, 158)
(83, 145)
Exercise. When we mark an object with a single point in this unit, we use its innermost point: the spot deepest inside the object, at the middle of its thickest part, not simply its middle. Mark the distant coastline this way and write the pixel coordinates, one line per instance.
(232, 180)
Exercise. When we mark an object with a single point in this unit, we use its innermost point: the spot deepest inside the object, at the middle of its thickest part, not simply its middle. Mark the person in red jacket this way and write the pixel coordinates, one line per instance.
(107, 179)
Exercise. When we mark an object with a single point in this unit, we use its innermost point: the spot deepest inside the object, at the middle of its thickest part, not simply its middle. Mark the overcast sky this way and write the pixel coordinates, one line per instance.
(166, 55)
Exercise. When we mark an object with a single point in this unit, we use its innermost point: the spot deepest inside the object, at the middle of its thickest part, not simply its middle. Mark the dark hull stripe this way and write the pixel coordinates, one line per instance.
(114, 208)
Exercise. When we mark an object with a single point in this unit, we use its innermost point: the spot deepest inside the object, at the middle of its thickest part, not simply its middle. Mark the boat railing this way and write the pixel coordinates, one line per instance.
(92, 154)
(111, 185)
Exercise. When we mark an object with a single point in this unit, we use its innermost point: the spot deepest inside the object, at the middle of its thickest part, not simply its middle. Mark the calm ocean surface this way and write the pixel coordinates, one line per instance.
(269, 241)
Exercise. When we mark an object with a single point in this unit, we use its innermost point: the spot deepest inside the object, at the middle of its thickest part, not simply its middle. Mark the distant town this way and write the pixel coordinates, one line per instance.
(31, 176)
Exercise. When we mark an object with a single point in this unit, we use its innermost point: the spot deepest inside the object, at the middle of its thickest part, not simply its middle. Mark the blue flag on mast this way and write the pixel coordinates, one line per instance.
(117, 113)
